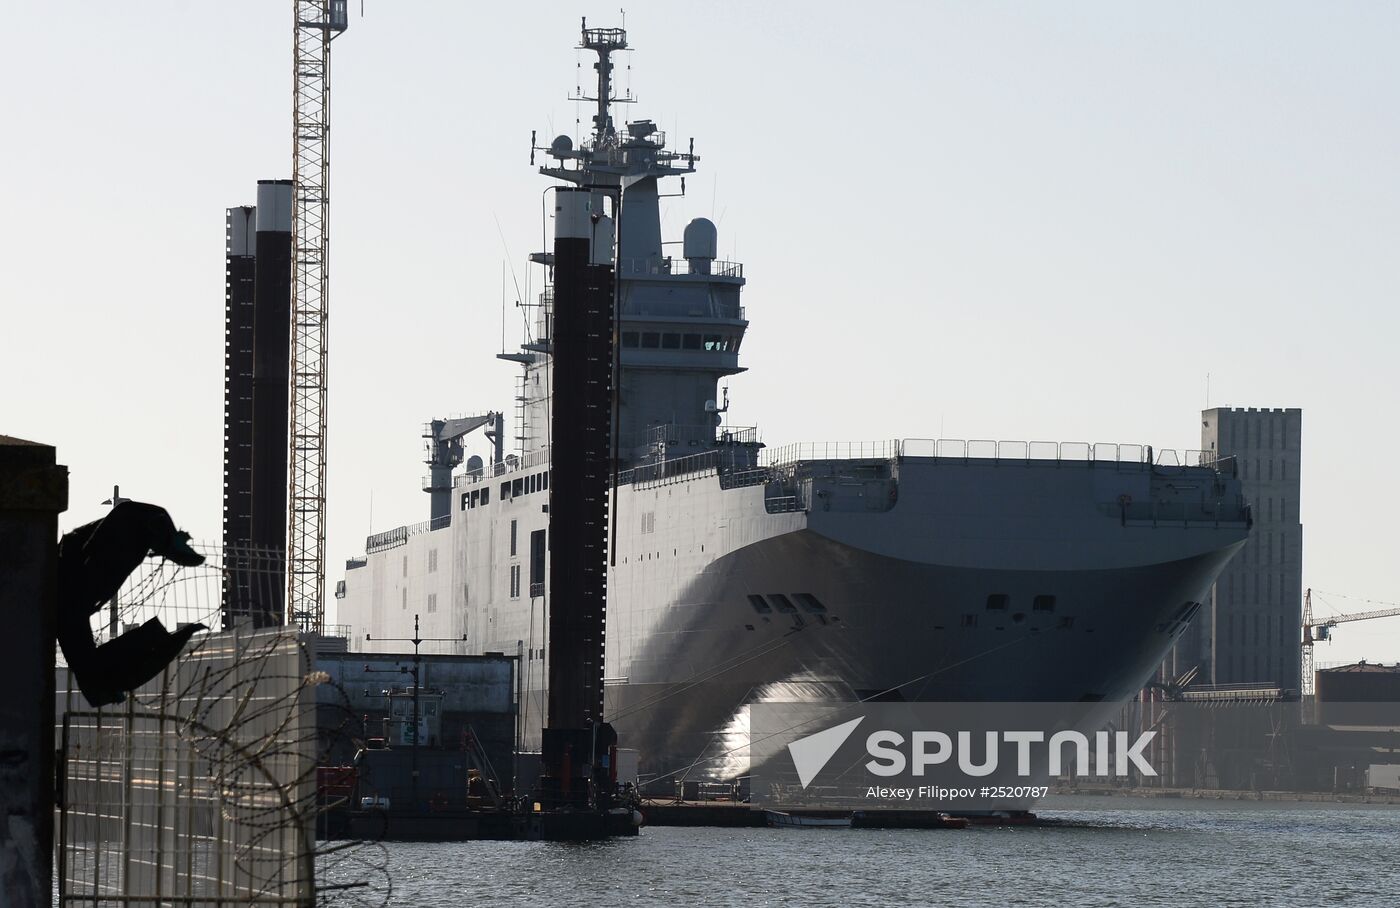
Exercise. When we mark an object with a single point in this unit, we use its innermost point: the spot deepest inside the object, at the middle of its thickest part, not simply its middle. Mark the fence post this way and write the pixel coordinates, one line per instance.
(33, 492)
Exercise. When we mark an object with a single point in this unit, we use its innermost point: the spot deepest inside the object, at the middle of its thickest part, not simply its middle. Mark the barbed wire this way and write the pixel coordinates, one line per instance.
(205, 782)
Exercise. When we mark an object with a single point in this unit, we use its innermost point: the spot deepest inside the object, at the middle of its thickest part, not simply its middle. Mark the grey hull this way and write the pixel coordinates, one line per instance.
(891, 629)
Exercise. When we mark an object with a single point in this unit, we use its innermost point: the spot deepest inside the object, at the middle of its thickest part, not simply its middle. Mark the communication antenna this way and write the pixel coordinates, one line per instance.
(316, 24)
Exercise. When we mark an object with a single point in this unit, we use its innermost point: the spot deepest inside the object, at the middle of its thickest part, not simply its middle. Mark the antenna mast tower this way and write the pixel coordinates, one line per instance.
(316, 24)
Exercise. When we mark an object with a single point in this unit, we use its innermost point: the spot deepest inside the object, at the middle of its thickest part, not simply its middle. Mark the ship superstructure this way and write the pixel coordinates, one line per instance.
(898, 570)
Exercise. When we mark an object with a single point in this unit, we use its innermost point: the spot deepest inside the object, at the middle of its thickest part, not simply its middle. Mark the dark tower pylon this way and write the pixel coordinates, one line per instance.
(272, 295)
(581, 459)
(240, 265)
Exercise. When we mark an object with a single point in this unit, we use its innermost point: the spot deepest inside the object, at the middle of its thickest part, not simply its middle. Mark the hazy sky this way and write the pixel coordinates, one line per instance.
(1002, 220)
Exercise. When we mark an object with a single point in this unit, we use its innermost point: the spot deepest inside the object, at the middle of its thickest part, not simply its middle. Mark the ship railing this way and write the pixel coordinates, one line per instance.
(782, 504)
(513, 463)
(989, 449)
(669, 471)
(717, 268)
(740, 435)
(398, 536)
(1061, 451)
(740, 479)
(646, 267)
(1184, 513)
(830, 450)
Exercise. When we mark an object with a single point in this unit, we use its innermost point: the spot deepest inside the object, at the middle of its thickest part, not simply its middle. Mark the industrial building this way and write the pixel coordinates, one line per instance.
(1248, 631)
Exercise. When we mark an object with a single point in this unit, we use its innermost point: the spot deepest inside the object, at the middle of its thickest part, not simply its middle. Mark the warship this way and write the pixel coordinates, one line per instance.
(898, 570)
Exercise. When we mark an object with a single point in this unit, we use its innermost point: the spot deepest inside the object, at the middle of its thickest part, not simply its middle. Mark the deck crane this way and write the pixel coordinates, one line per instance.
(1314, 630)
(315, 24)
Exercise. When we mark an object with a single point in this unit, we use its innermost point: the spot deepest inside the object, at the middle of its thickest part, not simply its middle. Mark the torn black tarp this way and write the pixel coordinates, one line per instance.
(93, 562)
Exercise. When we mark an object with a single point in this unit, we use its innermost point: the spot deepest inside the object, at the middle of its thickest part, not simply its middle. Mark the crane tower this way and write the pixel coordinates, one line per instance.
(1314, 630)
(317, 23)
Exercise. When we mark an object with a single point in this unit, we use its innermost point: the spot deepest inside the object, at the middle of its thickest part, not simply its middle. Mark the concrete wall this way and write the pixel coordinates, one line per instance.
(33, 491)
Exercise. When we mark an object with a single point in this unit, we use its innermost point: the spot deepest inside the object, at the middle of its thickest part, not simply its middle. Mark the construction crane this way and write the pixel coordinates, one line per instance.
(316, 24)
(1314, 630)
(443, 441)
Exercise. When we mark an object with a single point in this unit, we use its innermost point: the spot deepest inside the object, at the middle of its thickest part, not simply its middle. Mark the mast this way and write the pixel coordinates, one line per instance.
(680, 320)
(603, 41)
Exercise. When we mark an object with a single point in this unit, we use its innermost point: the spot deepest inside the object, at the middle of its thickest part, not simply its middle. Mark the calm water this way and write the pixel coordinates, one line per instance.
(1100, 851)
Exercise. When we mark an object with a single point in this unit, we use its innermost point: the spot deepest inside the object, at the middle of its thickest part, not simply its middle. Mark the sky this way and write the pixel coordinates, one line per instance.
(1005, 220)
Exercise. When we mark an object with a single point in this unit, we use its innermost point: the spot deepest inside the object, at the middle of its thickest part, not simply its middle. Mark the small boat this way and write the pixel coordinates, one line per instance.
(781, 820)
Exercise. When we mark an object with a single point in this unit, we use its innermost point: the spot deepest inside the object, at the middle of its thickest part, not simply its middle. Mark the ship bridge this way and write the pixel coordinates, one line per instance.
(681, 322)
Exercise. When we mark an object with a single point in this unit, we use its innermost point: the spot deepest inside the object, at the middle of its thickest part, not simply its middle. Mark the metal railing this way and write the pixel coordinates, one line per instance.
(717, 268)
(668, 265)
(512, 464)
(782, 504)
(830, 450)
(988, 449)
(398, 536)
(739, 479)
(668, 471)
(689, 467)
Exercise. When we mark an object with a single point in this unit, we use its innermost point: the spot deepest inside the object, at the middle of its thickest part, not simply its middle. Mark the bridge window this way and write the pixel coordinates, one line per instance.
(810, 603)
(670, 341)
(651, 339)
(1043, 603)
(690, 341)
(997, 602)
(714, 342)
(759, 604)
(630, 339)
